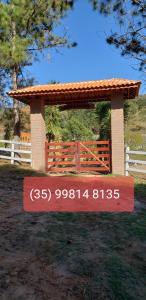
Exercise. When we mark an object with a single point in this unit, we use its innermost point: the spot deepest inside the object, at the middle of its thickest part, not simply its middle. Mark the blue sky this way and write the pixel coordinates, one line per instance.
(92, 59)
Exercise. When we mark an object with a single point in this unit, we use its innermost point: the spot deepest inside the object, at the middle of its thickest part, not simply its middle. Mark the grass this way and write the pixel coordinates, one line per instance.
(138, 156)
(140, 189)
(123, 279)
(2, 145)
(107, 251)
(93, 255)
(12, 170)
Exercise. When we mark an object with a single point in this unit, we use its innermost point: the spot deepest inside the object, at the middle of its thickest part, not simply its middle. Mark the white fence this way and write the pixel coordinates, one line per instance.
(131, 164)
(15, 152)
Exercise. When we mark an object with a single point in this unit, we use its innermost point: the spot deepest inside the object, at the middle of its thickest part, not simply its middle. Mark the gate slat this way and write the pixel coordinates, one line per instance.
(72, 150)
(72, 169)
(91, 156)
(94, 169)
(95, 149)
(61, 156)
(61, 143)
(95, 143)
(61, 163)
(95, 162)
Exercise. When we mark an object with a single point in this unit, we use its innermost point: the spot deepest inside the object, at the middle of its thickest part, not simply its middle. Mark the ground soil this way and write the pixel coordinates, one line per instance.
(66, 255)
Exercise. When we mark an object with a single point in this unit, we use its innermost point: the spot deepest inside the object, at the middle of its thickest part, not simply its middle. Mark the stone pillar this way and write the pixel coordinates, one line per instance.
(38, 134)
(117, 135)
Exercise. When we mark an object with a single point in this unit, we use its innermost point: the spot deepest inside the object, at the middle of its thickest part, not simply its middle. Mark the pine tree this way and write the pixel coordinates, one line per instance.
(26, 28)
(131, 15)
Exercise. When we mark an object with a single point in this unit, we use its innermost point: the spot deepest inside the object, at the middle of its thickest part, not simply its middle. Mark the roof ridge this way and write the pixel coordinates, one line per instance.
(79, 82)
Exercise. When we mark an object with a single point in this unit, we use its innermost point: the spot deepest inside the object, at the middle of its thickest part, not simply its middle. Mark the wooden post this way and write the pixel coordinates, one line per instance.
(46, 156)
(12, 153)
(110, 156)
(126, 162)
(77, 157)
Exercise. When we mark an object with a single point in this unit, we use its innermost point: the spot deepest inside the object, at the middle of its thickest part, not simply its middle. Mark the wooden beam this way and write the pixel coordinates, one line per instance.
(77, 106)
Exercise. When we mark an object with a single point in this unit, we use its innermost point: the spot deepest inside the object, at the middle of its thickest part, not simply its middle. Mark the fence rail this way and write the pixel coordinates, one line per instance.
(131, 164)
(17, 151)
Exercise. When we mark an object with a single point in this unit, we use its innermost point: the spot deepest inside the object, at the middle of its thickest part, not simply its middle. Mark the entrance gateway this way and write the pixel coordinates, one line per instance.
(78, 95)
(78, 156)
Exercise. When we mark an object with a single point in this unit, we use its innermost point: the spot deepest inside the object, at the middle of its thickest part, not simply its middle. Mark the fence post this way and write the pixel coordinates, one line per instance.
(77, 157)
(127, 162)
(12, 153)
(46, 156)
(31, 158)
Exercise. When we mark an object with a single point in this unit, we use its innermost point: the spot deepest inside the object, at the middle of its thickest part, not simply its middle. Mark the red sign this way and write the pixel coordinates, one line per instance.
(79, 194)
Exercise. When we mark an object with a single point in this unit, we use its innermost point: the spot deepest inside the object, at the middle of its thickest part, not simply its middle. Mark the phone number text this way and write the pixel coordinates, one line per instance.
(95, 194)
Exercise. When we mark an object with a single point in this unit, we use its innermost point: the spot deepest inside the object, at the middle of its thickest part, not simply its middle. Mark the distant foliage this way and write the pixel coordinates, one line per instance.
(53, 122)
(70, 125)
(85, 124)
(76, 129)
(135, 140)
(103, 115)
(135, 123)
(134, 117)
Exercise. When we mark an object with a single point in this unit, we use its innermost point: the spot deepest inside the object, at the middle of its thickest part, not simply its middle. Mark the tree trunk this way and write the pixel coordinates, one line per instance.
(16, 132)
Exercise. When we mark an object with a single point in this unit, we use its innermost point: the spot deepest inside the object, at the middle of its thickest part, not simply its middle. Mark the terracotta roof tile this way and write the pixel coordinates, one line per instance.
(76, 86)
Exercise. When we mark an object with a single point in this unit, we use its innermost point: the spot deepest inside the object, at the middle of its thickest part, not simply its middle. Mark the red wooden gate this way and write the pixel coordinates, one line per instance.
(78, 156)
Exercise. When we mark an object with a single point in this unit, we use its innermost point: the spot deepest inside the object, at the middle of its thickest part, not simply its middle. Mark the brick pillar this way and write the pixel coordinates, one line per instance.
(38, 134)
(117, 135)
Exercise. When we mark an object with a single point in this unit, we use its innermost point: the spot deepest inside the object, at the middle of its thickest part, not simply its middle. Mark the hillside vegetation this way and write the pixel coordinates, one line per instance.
(85, 124)
(135, 125)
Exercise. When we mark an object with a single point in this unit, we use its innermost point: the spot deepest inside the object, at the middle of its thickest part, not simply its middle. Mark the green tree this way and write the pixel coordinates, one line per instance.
(7, 119)
(26, 29)
(78, 124)
(103, 119)
(70, 125)
(131, 37)
(53, 122)
(75, 130)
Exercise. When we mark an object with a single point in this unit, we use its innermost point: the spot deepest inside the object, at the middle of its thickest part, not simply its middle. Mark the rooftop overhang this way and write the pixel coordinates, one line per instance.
(78, 94)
